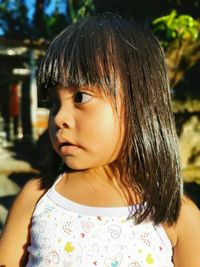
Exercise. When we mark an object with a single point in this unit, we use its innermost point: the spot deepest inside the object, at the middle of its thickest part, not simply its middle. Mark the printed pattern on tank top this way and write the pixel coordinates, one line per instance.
(62, 237)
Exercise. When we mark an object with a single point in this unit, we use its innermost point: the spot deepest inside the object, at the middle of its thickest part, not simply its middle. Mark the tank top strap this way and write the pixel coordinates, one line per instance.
(58, 179)
(49, 190)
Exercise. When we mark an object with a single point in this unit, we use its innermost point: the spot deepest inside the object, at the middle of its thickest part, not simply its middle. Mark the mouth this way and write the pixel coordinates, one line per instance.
(66, 144)
(67, 148)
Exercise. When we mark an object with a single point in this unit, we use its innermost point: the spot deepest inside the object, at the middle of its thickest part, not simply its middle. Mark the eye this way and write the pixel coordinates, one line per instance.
(81, 97)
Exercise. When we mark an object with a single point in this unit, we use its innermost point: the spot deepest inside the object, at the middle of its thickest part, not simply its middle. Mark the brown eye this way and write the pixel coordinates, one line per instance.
(81, 97)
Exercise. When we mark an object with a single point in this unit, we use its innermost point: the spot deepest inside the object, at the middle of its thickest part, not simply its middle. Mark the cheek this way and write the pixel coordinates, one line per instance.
(100, 123)
(105, 134)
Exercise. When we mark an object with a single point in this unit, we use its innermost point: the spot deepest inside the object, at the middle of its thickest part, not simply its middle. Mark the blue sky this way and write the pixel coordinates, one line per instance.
(49, 10)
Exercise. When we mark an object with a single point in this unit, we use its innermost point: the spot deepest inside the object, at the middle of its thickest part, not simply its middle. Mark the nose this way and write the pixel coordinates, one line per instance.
(64, 118)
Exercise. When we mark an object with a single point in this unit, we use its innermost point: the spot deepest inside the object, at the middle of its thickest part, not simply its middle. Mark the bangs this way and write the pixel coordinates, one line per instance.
(81, 55)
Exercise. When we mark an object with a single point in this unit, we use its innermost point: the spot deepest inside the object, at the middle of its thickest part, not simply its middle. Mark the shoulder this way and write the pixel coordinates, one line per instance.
(29, 195)
(32, 191)
(27, 198)
(186, 250)
(15, 236)
(189, 213)
(189, 219)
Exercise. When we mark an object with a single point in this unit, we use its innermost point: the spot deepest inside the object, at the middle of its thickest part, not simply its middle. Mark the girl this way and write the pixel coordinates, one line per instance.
(117, 200)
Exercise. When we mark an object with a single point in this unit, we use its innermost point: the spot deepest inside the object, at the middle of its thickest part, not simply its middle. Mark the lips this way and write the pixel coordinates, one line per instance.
(64, 144)
(66, 148)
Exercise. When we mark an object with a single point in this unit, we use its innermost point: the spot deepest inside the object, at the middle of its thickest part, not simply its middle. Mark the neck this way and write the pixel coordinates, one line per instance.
(93, 176)
(103, 181)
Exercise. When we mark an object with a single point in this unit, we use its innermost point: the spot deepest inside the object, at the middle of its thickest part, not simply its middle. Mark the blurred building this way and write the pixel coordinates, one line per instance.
(21, 116)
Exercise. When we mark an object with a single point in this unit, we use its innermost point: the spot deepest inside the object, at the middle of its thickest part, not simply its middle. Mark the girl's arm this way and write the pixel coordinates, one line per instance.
(187, 249)
(15, 237)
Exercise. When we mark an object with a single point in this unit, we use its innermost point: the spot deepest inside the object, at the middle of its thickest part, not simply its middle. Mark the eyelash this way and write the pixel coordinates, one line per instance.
(53, 105)
(82, 93)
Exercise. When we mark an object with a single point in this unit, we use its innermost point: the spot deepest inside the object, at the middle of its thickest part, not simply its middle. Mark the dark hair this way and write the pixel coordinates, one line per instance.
(113, 53)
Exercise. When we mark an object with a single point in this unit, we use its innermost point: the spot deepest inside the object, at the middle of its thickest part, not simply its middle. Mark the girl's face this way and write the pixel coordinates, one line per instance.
(85, 128)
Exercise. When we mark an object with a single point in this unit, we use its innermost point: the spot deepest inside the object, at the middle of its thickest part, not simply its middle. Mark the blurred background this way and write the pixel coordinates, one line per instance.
(26, 29)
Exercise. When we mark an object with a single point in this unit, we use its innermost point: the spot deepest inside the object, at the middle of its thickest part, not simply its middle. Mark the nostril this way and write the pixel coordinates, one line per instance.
(65, 125)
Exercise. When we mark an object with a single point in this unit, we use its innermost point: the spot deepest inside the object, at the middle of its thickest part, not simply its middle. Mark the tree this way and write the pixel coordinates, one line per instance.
(180, 37)
(78, 9)
(39, 18)
(179, 34)
(14, 20)
(16, 24)
(146, 11)
(47, 26)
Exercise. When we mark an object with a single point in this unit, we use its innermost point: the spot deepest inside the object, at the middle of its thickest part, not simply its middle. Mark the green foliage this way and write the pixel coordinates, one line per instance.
(54, 24)
(15, 23)
(80, 9)
(174, 26)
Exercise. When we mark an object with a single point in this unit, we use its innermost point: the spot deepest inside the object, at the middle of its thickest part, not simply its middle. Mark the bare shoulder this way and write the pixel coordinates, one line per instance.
(189, 213)
(186, 250)
(15, 235)
(189, 218)
(32, 191)
(28, 196)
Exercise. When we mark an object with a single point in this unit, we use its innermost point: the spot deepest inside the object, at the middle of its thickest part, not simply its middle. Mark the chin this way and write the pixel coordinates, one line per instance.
(81, 166)
(76, 166)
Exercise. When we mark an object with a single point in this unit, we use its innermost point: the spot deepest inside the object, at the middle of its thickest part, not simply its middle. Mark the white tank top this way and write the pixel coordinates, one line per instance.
(65, 233)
